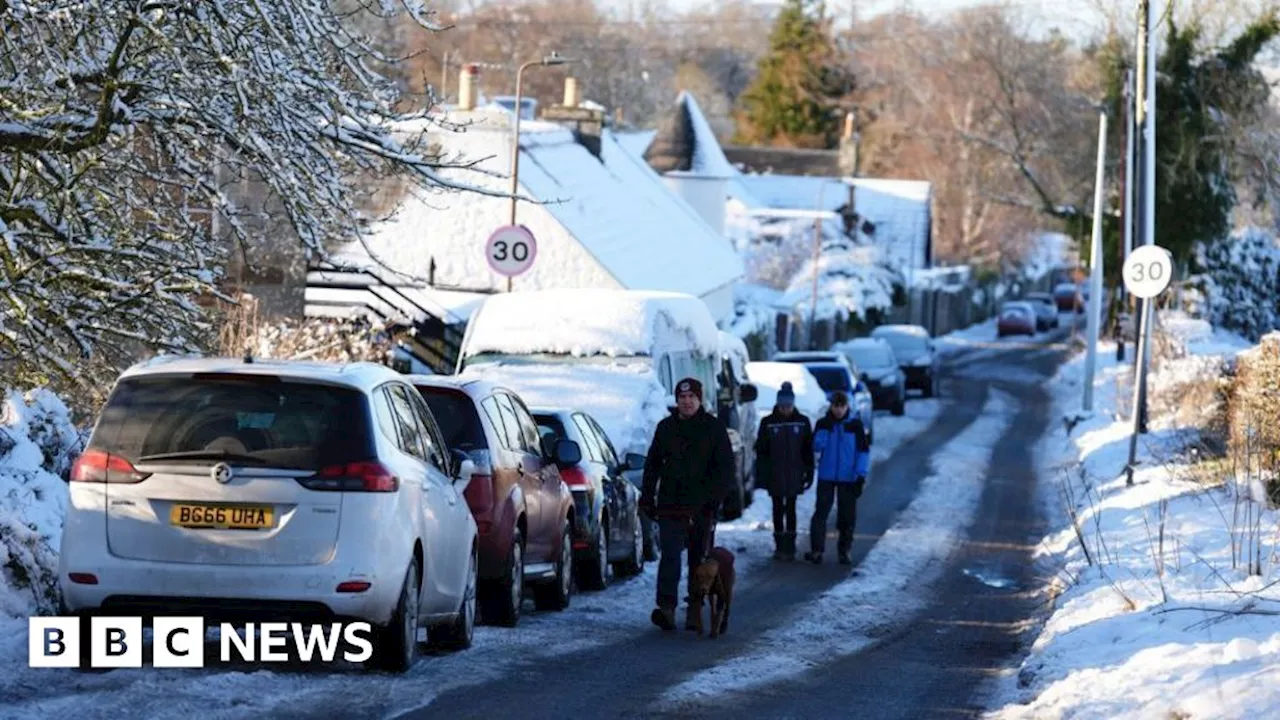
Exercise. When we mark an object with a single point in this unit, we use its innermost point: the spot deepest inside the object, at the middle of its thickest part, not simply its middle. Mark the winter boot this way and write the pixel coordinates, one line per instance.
(691, 618)
(845, 558)
(813, 557)
(779, 546)
(664, 617)
(789, 545)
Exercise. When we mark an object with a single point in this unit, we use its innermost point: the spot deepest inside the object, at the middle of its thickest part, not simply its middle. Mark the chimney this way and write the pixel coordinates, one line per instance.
(467, 86)
(572, 95)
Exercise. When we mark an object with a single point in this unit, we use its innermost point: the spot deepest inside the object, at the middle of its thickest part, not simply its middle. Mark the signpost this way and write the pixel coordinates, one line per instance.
(510, 251)
(1147, 273)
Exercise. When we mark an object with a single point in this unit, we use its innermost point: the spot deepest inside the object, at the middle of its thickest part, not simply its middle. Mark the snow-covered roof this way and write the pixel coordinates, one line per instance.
(685, 144)
(635, 141)
(616, 206)
(585, 322)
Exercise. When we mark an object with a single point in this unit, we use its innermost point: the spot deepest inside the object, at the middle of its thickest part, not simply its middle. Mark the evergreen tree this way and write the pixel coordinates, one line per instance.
(795, 97)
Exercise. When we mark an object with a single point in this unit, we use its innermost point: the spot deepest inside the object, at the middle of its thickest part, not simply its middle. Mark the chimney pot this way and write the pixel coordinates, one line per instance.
(467, 86)
(572, 96)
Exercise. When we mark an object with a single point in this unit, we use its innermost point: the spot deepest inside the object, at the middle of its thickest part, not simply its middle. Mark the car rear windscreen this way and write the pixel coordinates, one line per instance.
(456, 415)
(261, 421)
(873, 357)
(831, 379)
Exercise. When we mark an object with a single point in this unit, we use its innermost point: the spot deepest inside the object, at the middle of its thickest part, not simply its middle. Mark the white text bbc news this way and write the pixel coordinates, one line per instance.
(178, 642)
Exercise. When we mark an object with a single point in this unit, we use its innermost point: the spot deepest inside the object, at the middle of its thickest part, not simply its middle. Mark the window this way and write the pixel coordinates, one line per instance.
(510, 423)
(606, 447)
(436, 453)
(528, 428)
(456, 415)
(490, 407)
(411, 440)
(664, 373)
(588, 437)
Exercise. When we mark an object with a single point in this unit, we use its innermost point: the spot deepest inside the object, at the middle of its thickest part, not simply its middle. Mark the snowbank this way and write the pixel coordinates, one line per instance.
(1156, 613)
(582, 322)
(38, 443)
(843, 620)
(768, 378)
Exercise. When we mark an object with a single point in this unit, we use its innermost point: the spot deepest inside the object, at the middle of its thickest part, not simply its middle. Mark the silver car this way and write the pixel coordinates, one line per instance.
(265, 490)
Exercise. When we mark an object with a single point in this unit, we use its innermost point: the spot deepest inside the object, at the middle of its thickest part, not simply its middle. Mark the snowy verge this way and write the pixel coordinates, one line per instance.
(847, 618)
(1156, 613)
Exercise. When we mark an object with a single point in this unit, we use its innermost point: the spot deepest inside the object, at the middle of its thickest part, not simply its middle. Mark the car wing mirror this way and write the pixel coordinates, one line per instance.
(633, 461)
(567, 453)
(748, 393)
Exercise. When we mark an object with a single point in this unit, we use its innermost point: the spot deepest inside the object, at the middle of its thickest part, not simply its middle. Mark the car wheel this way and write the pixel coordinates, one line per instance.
(634, 564)
(459, 634)
(500, 605)
(594, 573)
(396, 648)
(556, 594)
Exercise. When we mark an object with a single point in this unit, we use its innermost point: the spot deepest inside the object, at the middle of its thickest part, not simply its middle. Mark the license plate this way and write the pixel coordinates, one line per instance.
(230, 517)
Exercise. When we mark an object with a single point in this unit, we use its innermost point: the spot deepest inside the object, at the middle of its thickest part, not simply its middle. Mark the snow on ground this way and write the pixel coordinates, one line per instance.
(886, 589)
(1153, 624)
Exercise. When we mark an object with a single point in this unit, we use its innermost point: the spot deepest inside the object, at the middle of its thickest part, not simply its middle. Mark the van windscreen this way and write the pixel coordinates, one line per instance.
(258, 421)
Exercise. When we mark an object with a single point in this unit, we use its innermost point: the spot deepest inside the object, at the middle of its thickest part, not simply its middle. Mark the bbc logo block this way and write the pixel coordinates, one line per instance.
(179, 642)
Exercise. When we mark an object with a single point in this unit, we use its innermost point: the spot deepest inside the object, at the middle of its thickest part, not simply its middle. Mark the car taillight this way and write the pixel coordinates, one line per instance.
(353, 477)
(575, 478)
(98, 466)
(479, 493)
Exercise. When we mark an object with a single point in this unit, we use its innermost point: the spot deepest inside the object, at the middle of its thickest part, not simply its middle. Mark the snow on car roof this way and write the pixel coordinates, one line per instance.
(586, 322)
(356, 375)
(915, 330)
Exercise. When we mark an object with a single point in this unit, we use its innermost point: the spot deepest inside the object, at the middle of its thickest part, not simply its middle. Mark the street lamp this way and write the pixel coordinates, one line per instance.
(549, 60)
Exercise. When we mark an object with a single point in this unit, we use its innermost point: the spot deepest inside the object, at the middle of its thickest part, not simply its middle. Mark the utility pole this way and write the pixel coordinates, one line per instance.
(1094, 307)
(1148, 197)
(1141, 113)
(1126, 244)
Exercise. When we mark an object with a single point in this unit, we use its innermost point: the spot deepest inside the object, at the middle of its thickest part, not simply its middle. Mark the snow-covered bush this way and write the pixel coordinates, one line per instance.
(1238, 281)
(853, 282)
(38, 443)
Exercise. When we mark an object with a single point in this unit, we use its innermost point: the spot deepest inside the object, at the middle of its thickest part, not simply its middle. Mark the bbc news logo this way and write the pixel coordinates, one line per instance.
(179, 642)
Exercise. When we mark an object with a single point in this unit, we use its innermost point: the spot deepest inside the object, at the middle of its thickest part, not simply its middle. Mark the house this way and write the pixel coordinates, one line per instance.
(601, 217)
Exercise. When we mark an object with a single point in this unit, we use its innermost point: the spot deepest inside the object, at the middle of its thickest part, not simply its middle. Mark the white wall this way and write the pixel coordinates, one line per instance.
(720, 303)
(705, 195)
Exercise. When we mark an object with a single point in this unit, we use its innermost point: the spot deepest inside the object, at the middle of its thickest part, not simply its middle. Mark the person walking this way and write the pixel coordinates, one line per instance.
(844, 459)
(688, 473)
(784, 465)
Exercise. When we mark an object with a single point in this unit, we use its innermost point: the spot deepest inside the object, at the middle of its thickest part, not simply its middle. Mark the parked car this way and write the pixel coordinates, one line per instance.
(916, 354)
(608, 533)
(736, 406)
(522, 507)
(1016, 318)
(1047, 317)
(836, 377)
(617, 353)
(769, 376)
(1068, 297)
(859, 395)
(880, 371)
(273, 490)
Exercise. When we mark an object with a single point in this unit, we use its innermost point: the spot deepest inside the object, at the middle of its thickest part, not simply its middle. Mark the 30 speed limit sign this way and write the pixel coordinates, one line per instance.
(1148, 271)
(511, 250)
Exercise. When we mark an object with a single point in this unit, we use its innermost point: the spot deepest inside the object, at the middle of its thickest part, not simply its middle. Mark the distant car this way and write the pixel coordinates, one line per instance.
(523, 508)
(1068, 297)
(880, 371)
(265, 489)
(609, 531)
(916, 354)
(836, 377)
(1046, 308)
(1016, 318)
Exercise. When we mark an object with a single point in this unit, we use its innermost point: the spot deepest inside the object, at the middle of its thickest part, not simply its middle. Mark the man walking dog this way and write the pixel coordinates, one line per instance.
(688, 472)
(845, 456)
(784, 464)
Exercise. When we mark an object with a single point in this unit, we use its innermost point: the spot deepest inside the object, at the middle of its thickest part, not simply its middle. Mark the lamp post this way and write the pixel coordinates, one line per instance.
(549, 60)
(817, 253)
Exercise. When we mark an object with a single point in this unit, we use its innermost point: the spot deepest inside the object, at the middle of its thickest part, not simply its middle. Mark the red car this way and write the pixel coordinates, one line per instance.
(1016, 318)
(1068, 298)
(523, 509)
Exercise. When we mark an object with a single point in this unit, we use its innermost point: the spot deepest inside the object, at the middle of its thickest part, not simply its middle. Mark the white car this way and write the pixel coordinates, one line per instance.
(267, 490)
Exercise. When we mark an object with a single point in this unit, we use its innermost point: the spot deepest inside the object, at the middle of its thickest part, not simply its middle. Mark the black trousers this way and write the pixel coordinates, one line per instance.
(692, 534)
(784, 514)
(844, 496)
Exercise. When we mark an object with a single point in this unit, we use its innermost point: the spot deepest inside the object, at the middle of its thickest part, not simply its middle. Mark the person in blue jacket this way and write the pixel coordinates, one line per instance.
(844, 457)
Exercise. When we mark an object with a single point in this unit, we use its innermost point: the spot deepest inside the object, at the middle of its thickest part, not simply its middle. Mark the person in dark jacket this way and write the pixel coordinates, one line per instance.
(845, 456)
(784, 466)
(688, 473)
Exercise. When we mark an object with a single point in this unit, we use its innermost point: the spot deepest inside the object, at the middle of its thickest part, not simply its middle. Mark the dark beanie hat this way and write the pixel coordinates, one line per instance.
(786, 396)
(689, 385)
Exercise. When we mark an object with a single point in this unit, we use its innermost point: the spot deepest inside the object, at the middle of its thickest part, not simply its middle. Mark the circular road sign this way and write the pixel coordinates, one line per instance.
(511, 250)
(1148, 271)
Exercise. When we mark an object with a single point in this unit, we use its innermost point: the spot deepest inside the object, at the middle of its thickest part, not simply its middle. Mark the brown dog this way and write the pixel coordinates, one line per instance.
(713, 581)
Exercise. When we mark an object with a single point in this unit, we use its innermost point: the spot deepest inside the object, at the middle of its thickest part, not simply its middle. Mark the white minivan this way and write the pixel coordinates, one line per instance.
(614, 354)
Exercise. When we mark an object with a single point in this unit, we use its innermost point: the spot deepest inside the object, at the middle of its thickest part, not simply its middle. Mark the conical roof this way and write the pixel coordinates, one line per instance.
(686, 144)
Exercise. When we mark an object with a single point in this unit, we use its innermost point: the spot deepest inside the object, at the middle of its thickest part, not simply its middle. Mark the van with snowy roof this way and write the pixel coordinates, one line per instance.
(614, 354)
